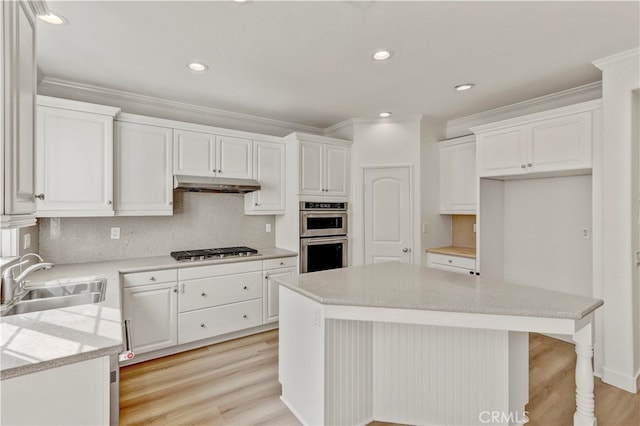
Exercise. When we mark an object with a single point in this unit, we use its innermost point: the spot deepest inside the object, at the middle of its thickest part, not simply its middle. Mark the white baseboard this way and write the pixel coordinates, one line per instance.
(621, 381)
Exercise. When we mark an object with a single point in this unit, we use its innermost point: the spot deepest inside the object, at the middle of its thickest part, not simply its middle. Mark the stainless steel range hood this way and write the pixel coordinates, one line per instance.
(214, 184)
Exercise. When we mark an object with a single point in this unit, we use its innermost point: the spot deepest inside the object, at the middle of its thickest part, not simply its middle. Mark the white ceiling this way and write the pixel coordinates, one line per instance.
(309, 62)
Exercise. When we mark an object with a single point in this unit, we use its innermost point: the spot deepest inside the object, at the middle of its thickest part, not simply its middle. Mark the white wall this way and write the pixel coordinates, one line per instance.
(618, 277)
(543, 221)
(437, 226)
(388, 142)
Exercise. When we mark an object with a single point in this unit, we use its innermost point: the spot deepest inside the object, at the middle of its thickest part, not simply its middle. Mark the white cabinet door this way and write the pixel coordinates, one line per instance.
(458, 177)
(194, 153)
(74, 163)
(143, 170)
(311, 168)
(502, 152)
(234, 157)
(561, 143)
(269, 170)
(19, 120)
(153, 314)
(270, 295)
(336, 172)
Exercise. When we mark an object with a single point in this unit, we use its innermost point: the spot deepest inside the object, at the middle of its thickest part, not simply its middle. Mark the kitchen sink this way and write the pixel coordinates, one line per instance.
(56, 295)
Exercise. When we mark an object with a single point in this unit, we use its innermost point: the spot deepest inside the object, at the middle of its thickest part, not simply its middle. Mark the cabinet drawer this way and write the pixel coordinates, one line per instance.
(217, 270)
(214, 291)
(283, 262)
(205, 323)
(151, 277)
(453, 261)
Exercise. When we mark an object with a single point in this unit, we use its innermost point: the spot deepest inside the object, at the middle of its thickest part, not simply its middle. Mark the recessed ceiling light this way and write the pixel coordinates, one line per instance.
(52, 18)
(464, 86)
(382, 55)
(241, 1)
(197, 66)
(384, 115)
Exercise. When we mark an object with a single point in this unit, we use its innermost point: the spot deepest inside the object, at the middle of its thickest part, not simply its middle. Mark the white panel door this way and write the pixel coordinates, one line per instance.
(269, 170)
(143, 170)
(234, 157)
(502, 152)
(311, 168)
(74, 163)
(561, 143)
(271, 294)
(387, 215)
(153, 312)
(337, 167)
(194, 153)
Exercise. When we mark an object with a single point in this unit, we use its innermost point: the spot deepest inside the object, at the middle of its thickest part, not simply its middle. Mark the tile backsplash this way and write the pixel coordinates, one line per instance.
(199, 221)
(462, 233)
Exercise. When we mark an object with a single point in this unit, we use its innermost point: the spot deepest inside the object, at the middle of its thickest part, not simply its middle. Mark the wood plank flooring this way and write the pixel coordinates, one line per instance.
(236, 383)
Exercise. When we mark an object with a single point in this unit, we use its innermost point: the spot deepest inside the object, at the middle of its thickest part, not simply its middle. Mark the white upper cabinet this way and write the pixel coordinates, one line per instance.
(269, 170)
(234, 157)
(74, 158)
(324, 169)
(205, 154)
(555, 141)
(17, 206)
(458, 185)
(143, 169)
(194, 153)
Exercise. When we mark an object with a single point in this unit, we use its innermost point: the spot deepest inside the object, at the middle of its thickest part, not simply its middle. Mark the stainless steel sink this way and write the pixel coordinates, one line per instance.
(55, 296)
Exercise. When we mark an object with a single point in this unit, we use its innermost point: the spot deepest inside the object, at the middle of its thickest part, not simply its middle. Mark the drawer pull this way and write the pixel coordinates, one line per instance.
(281, 263)
(152, 278)
(244, 316)
(203, 294)
(450, 261)
(245, 287)
(202, 325)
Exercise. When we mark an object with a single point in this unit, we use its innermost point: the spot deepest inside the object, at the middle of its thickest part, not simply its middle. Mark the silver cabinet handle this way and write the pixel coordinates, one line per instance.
(109, 202)
(406, 250)
(203, 294)
(522, 166)
(127, 335)
(281, 263)
(450, 261)
(203, 325)
(244, 316)
(170, 203)
(266, 277)
(175, 290)
(529, 164)
(245, 288)
(39, 196)
(257, 204)
(152, 278)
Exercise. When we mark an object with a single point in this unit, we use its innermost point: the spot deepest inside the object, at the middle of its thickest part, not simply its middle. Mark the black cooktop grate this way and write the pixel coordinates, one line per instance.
(213, 253)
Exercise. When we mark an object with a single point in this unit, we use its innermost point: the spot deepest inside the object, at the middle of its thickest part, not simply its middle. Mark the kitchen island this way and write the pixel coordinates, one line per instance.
(402, 343)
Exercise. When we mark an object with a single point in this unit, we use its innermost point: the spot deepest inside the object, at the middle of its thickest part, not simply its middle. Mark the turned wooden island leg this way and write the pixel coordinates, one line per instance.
(585, 403)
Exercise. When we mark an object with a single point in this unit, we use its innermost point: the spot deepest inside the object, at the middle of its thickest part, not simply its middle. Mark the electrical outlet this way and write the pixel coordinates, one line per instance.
(585, 234)
(26, 241)
(115, 233)
(268, 227)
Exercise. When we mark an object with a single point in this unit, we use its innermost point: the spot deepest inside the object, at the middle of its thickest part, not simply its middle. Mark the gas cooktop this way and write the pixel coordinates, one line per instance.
(213, 253)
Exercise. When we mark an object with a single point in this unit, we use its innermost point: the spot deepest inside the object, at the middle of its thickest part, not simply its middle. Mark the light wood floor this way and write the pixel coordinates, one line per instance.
(236, 383)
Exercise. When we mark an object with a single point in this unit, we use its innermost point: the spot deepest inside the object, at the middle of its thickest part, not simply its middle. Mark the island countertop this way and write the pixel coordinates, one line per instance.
(41, 340)
(402, 286)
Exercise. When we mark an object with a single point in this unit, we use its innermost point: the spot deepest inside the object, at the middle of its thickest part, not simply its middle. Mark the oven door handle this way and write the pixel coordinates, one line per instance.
(314, 241)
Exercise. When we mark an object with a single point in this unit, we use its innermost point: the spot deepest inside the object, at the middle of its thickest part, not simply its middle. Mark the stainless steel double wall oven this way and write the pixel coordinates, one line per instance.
(323, 236)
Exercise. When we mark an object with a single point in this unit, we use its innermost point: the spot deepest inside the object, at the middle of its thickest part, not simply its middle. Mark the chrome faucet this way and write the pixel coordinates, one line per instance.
(11, 283)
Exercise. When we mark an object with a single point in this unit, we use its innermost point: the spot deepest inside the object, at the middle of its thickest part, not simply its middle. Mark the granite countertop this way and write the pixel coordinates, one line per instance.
(454, 251)
(41, 340)
(402, 286)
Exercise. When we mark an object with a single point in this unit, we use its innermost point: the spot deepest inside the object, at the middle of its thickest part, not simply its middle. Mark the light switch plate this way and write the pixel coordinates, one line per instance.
(115, 233)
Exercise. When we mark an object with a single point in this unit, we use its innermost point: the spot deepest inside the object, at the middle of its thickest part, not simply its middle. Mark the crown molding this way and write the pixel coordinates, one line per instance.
(171, 104)
(609, 60)
(461, 126)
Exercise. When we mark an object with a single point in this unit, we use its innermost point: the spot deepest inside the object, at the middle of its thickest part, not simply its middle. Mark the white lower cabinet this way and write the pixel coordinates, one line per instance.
(463, 265)
(173, 307)
(151, 306)
(73, 394)
(270, 294)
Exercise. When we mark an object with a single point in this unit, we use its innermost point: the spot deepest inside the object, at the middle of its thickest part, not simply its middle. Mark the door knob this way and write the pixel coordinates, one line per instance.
(406, 250)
